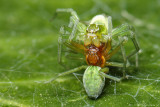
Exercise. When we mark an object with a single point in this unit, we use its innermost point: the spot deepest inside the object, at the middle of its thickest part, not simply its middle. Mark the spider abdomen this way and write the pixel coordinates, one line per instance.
(93, 81)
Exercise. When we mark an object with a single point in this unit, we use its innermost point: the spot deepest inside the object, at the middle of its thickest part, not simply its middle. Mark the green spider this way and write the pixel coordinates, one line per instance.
(94, 41)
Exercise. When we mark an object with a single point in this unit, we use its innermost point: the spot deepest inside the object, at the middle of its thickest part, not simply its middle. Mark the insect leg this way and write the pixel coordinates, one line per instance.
(68, 72)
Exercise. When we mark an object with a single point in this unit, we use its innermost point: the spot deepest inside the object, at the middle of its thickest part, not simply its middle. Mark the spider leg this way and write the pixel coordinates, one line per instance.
(118, 47)
(74, 20)
(108, 36)
(124, 59)
(68, 72)
(109, 25)
(116, 64)
(106, 70)
(68, 10)
(60, 43)
(74, 55)
(127, 30)
(121, 32)
(72, 27)
(63, 40)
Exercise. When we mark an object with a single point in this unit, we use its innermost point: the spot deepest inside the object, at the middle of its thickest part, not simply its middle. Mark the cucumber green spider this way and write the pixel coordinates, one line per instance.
(94, 41)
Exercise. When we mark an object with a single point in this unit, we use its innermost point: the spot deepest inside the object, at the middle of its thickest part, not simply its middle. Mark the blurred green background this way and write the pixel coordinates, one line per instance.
(28, 54)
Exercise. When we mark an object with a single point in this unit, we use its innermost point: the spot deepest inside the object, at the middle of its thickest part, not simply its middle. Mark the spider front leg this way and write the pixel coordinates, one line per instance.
(60, 43)
(73, 46)
(74, 20)
(68, 10)
(126, 30)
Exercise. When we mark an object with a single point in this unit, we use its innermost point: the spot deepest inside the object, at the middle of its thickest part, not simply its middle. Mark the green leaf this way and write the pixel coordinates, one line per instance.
(28, 54)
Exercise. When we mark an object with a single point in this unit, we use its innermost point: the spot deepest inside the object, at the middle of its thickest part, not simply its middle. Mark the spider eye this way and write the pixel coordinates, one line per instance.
(92, 28)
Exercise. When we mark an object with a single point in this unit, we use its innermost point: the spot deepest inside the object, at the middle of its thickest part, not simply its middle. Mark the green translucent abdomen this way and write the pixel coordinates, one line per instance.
(93, 81)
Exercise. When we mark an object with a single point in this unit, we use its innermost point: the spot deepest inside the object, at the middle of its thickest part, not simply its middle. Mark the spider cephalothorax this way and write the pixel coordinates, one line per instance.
(95, 48)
